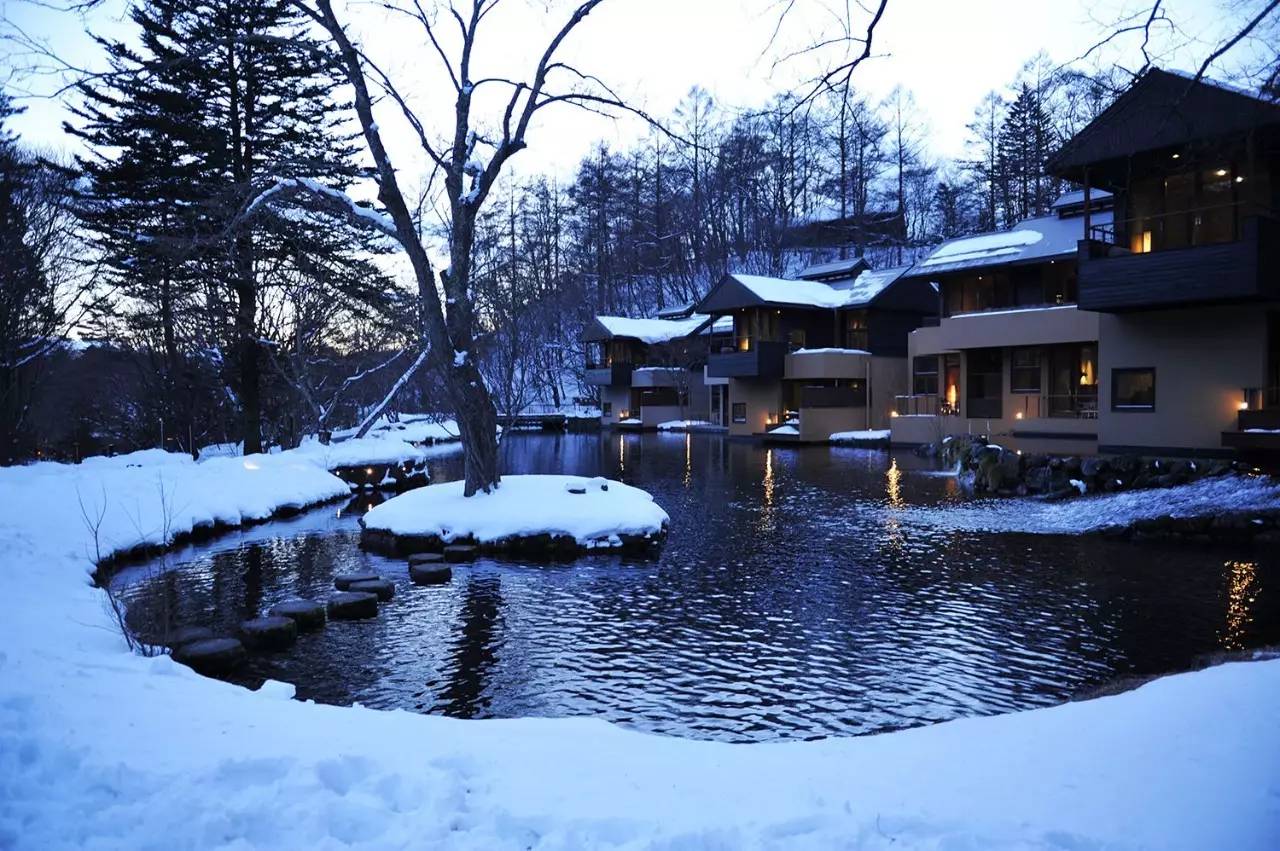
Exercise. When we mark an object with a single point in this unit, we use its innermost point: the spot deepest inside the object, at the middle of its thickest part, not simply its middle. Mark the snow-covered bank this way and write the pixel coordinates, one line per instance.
(1205, 498)
(861, 438)
(592, 512)
(102, 749)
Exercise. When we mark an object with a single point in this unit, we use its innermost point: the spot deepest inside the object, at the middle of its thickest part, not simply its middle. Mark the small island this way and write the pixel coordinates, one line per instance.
(556, 516)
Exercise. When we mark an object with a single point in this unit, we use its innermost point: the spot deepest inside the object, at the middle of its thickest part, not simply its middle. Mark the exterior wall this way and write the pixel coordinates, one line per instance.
(818, 424)
(699, 397)
(761, 398)
(827, 364)
(1039, 326)
(1203, 358)
(619, 399)
(890, 378)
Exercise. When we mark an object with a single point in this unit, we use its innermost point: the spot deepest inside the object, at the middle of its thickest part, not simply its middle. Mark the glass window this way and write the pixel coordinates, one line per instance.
(607, 408)
(855, 329)
(739, 412)
(1133, 389)
(1024, 374)
(924, 380)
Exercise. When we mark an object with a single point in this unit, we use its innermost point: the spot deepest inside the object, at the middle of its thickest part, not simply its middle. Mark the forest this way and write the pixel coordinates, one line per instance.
(198, 274)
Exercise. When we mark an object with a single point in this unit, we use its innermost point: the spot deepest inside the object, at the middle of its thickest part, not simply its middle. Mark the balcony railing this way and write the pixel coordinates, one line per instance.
(833, 397)
(608, 375)
(760, 360)
(1082, 406)
(923, 405)
(1208, 225)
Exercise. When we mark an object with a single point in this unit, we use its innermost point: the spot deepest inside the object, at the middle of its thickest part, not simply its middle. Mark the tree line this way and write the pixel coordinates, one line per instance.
(206, 234)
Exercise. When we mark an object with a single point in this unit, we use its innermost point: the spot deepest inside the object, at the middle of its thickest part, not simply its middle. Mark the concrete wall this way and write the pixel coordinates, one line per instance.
(761, 398)
(1041, 326)
(620, 399)
(890, 378)
(818, 424)
(1203, 358)
(828, 364)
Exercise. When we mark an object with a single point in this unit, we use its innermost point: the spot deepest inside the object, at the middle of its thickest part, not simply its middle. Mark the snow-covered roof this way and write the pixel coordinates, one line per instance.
(848, 267)
(1045, 238)
(865, 288)
(847, 292)
(649, 331)
(785, 291)
(1075, 198)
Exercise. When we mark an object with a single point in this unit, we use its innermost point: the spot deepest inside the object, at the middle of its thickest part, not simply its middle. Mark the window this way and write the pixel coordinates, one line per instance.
(1133, 389)
(1024, 372)
(924, 380)
(739, 412)
(607, 408)
(855, 329)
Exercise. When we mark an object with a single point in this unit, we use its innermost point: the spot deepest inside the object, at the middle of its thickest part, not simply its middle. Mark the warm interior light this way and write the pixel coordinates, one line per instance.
(1222, 172)
(1018, 415)
(1239, 178)
(1176, 156)
(893, 413)
(1244, 406)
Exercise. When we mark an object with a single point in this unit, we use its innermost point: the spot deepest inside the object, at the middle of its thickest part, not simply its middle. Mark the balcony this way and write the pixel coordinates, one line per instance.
(1114, 279)
(1257, 428)
(611, 375)
(656, 376)
(1077, 406)
(760, 360)
(923, 405)
(832, 397)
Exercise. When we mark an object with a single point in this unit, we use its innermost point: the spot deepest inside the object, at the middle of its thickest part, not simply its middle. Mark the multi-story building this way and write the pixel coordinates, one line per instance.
(650, 371)
(817, 355)
(1012, 353)
(1161, 334)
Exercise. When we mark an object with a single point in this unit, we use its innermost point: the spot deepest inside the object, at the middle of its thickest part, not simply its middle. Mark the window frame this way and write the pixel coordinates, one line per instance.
(1119, 408)
(734, 417)
(1014, 369)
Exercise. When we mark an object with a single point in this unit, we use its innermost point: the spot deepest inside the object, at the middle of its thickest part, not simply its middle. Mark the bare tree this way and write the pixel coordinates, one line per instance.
(471, 158)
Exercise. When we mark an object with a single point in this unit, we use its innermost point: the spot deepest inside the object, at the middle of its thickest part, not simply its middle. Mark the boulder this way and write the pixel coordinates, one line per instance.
(352, 605)
(1093, 466)
(274, 632)
(460, 553)
(211, 655)
(426, 558)
(187, 634)
(343, 581)
(307, 614)
(430, 573)
(383, 588)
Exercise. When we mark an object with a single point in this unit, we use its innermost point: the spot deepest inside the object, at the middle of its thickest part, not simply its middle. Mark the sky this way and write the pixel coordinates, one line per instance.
(652, 52)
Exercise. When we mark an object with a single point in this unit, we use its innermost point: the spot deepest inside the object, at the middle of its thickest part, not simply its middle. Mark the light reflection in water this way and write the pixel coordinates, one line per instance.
(1240, 596)
(688, 458)
(622, 454)
(768, 478)
(894, 485)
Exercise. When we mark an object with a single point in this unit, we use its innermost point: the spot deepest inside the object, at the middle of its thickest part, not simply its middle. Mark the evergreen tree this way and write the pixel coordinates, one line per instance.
(1024, 143)
(219, 102)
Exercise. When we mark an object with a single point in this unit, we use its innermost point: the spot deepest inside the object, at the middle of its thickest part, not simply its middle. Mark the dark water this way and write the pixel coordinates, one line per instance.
(789, 602)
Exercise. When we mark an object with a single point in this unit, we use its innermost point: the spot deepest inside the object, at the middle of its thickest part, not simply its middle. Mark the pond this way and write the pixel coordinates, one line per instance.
(788, 602)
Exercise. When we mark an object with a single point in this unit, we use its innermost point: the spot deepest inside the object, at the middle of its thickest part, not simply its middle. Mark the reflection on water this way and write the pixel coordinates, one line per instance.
(788, 602)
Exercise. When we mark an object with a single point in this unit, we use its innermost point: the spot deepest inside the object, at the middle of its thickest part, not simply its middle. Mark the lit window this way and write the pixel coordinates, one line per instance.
(1133, 389)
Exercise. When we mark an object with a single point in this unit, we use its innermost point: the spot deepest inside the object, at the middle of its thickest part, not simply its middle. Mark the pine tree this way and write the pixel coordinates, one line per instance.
(1025, 141)
(217, 103)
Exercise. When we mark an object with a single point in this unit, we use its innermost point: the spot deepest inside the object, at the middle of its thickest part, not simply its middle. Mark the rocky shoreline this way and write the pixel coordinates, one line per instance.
(989, 468)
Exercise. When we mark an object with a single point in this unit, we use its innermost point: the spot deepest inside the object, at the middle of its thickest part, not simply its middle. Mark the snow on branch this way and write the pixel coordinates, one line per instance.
(377, 409)
(284, 187)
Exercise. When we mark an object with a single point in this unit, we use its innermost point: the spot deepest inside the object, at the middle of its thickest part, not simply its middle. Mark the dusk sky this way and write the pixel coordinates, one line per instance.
(947, 54)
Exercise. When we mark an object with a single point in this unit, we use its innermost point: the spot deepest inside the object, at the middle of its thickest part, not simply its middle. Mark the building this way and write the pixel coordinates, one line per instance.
(817, 355)
(650, 371)
(1012, 353)
(1186, 280)
(1162, 334)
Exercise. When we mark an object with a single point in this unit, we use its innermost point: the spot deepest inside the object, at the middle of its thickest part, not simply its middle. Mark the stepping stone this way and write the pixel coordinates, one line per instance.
(383, 588)
(576, 489)
(352, 605)
(187, 634)
(307, 614)
(343, 580)
(273, 632)
(211, 655)
(460, 552)
(425, 558)
(430, 573)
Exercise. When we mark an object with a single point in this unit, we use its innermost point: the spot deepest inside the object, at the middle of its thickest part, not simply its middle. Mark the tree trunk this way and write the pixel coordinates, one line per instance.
(478, 425)
(250, 385)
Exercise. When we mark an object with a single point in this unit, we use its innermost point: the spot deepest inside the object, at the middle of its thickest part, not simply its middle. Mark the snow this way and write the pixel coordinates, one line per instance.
(1206, 497)
(651, 331)
(682, 425)
(867, 436)
(411, 428)
(982, 247)
(784, 429)
(629, 421)
(786, 291)
(459, 357)
(357, 452)
(1037, 309)
(103, 749)
(830, 351)
(523, 506)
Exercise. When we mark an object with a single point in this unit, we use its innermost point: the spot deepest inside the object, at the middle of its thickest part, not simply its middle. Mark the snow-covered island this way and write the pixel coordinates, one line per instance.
(530, 514)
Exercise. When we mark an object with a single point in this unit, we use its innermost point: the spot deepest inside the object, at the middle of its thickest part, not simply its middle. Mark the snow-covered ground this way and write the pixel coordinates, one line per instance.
(867, 436)
(1093, 513)
(594, 512)
(683, 425)
(102, 749)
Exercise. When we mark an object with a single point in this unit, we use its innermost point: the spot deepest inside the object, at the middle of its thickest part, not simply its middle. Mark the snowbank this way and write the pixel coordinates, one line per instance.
(358, 452)
(104, 749)
(523, 506)
(869, 436)
(1207, 497)
(683, 425)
